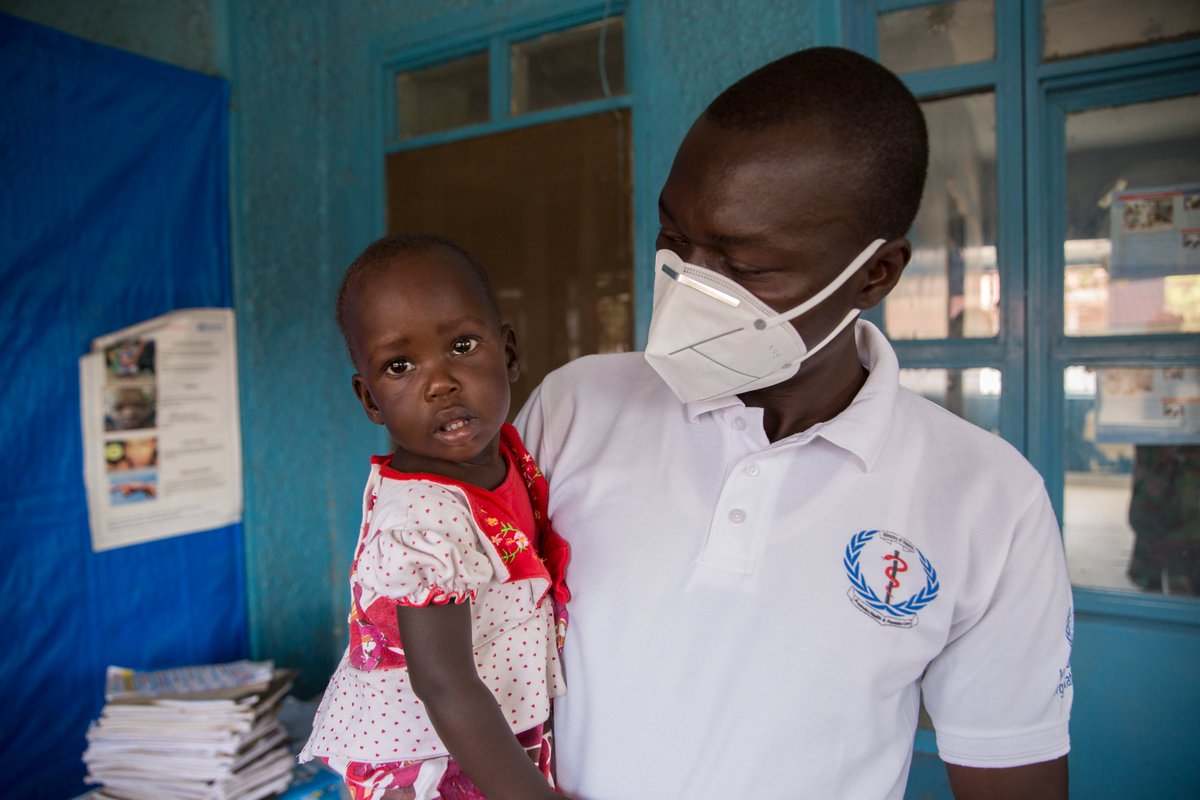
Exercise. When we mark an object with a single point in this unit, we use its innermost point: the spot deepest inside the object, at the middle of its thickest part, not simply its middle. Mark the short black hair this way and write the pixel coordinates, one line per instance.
(387, 249)
(862, 104)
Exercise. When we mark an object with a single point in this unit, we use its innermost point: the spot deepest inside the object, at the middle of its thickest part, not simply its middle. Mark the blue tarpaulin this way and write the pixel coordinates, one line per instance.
(113, 210)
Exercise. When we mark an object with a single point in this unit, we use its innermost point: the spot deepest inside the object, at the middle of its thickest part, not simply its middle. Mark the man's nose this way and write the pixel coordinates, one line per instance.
(697, 256)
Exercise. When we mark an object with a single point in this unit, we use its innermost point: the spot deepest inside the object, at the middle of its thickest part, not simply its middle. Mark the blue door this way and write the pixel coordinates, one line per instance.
(1054, 298)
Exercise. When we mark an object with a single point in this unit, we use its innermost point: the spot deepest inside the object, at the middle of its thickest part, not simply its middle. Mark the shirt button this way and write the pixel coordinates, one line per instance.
(739, 423)
(737, 516)
(752, 469)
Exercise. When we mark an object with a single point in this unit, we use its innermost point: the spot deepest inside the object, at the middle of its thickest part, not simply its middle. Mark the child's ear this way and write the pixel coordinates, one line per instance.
(887, 265)
(512, 359)
(364, 396)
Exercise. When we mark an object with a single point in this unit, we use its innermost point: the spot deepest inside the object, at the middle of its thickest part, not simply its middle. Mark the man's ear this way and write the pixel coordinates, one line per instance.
(884, 271)
(512, 358)
(364, 396)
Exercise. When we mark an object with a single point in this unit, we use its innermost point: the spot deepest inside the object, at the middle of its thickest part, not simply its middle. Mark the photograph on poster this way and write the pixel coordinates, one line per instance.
(129, 408)
(131, 358)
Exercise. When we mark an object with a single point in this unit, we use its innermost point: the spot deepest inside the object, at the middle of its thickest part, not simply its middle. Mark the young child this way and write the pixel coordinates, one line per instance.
(457, 583)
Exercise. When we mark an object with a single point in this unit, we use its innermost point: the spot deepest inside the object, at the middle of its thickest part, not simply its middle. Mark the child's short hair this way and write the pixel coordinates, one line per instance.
(862, 103)
(383, 251)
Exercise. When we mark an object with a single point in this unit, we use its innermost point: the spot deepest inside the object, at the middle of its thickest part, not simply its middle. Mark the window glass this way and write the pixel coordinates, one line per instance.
(951, 288)
(445, 96)
(1131, 507)
(973, 394)
(1075, 27)
(937, 35)
(1132, 249)
(562, 68)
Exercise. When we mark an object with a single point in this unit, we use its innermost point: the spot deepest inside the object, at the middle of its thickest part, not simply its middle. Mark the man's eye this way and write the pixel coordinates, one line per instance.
(398, 367)
(463, 345)
(669, 237)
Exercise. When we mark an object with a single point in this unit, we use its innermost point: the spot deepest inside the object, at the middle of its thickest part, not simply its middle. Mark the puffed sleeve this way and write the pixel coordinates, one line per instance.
(421, 548)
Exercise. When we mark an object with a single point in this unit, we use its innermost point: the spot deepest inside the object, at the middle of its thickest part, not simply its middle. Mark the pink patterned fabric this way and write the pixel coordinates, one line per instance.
(414, 780)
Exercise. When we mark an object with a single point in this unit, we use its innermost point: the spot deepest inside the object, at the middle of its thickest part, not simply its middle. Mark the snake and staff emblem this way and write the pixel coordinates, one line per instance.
(895, 607)
(898, 565)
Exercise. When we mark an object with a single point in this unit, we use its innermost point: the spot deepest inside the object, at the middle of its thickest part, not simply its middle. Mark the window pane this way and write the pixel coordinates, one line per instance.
(951, 289)
(446, 96)
(1074, 27)
(973, 394)
(939, 35)
(1131, 509)
(1132, 251)
(562, 68)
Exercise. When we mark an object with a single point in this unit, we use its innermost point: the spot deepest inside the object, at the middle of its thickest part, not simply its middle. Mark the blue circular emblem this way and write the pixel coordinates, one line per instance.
(886, 605)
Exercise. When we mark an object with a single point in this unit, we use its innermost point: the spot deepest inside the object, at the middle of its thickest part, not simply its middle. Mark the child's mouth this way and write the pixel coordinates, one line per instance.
(457, 429)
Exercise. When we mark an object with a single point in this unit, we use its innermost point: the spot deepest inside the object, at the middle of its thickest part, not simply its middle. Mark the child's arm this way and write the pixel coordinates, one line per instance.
(441, 666)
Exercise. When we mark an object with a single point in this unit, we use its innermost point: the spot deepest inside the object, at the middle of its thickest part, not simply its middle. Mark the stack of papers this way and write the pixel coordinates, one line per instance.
(206, 732)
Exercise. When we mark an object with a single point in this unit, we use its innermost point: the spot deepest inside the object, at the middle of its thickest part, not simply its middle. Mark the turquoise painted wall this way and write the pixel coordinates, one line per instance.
(307, 189)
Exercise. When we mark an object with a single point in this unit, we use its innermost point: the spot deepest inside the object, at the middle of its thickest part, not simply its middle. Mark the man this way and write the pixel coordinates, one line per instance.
(776, 548)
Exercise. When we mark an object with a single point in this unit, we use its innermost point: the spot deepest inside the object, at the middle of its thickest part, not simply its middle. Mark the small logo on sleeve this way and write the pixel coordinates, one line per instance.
(885, 572)
(1065, 679)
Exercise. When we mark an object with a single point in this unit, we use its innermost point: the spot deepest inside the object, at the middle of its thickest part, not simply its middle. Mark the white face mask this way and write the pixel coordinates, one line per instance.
(710, 338)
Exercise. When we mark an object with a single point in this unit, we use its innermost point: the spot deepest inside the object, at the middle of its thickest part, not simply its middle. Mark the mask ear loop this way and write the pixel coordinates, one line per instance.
(816, 299)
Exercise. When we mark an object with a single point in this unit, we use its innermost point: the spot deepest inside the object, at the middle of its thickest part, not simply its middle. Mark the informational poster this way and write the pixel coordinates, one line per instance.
(1158, 405)
(1155, 232)
(161, 436)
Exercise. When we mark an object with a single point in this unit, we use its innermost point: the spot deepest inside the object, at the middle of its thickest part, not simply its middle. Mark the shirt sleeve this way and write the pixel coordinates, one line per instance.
(429, 553)
(1000, 692)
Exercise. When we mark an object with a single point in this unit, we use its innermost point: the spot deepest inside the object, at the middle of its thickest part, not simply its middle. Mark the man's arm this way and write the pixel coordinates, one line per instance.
(1044, 781)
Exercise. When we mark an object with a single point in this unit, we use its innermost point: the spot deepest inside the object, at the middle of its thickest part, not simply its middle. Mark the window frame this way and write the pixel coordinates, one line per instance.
(496, 42)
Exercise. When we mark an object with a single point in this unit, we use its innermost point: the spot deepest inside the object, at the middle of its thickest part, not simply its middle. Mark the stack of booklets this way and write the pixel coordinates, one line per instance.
(207, 732)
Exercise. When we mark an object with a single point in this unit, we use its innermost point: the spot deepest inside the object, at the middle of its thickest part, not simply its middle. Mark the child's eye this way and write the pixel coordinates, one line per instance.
(463, 345)
(398, 367)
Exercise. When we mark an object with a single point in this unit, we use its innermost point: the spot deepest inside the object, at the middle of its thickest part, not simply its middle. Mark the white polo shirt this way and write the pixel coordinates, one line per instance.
(752, 619)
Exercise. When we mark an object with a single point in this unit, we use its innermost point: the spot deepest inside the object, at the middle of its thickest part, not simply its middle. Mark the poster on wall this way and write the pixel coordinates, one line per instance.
(1155, 232)
(161, 433)
(1145, 405)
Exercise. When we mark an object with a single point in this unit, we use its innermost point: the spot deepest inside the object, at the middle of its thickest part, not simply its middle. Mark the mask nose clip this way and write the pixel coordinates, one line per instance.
(699, 286)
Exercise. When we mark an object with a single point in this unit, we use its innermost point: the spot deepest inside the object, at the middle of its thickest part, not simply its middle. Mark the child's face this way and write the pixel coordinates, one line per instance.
(434, 362)
(131, 409)
(140, 452)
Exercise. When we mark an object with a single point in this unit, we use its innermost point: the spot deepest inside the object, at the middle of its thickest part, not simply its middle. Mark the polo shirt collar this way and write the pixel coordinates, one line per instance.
(864, 425)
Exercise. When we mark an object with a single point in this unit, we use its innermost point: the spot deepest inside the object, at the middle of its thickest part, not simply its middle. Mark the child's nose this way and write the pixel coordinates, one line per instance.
(441, 381)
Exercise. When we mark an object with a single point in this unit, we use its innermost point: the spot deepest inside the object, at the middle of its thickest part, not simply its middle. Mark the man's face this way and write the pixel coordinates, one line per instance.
(434, 363)
(769, 209)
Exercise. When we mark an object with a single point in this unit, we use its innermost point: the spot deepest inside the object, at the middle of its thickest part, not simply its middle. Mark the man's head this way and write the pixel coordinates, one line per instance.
(780, 185)
(434, 361)
(860, 105)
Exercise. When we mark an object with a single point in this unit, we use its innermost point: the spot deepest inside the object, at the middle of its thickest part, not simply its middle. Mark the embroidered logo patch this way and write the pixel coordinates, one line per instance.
(884, 581)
